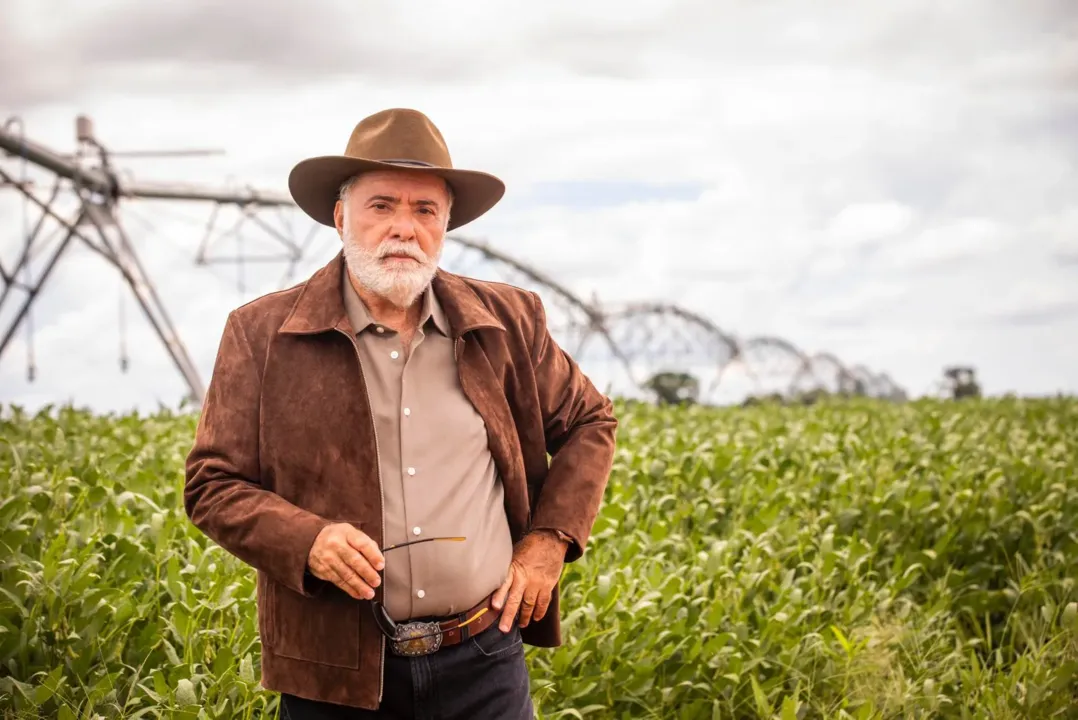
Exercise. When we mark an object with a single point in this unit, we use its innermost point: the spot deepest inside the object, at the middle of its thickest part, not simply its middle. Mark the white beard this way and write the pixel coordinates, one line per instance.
(400, 286)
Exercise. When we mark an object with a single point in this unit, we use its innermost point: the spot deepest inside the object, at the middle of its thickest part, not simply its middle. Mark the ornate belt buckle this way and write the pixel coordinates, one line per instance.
(410, 641)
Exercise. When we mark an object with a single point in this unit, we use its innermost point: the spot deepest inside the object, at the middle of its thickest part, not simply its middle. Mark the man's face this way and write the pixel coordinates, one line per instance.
(392, 224)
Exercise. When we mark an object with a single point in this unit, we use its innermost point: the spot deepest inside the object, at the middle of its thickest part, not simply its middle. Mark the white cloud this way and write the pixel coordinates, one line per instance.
(869, 223)
(1059, 233)
(1033, 301)
(939, 246)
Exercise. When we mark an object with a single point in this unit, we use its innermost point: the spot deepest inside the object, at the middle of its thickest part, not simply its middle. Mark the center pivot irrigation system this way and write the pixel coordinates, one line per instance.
(628, 344)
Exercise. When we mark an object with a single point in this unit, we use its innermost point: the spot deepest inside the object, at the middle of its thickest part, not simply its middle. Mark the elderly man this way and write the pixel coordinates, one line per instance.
(405, 455)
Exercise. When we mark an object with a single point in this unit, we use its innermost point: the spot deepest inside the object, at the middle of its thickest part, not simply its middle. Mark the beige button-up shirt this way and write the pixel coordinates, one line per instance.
(438, 476)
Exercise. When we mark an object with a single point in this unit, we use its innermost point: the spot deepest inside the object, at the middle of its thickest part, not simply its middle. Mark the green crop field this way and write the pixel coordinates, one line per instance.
(846, 560)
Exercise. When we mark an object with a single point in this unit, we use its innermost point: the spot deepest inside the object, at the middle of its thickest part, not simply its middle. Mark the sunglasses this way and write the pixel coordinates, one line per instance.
(387, 625)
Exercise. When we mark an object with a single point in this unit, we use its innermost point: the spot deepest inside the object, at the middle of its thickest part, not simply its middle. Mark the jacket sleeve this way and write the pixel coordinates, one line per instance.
(580, 430)
(223, 494)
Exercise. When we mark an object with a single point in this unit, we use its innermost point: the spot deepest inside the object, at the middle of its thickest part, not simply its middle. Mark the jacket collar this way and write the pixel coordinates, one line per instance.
(320, 305)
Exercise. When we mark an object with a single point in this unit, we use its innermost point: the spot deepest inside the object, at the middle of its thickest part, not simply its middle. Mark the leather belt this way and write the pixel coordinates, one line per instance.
(423, 637)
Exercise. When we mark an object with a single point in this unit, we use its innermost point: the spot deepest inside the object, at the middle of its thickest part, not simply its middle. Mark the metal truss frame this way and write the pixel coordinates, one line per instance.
(629, 333)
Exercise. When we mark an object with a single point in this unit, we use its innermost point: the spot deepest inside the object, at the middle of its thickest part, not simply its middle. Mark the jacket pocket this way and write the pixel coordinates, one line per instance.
(323, 629)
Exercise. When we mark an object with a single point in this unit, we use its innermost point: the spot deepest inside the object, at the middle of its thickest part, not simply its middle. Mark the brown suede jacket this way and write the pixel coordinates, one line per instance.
(285, 446)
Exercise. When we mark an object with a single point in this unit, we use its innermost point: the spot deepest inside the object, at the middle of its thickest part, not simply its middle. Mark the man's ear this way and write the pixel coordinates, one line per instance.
(338, 217)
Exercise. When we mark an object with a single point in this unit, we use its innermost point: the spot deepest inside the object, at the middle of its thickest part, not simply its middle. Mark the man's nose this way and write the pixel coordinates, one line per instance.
(403, 224)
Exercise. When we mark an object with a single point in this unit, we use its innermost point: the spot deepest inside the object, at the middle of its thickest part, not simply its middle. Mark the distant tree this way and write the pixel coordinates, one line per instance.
(811, 397)
(962, 382)
(673, 388)
(774, 398)
(849, 386)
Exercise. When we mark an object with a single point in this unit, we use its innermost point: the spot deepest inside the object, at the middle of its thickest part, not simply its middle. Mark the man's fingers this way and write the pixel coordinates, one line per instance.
(336, 570)
(499, 595)
(331, 575)
(366, 546)
(350, 581)
(359, 565)
(541, 605)
(512, 603)
(527, 606)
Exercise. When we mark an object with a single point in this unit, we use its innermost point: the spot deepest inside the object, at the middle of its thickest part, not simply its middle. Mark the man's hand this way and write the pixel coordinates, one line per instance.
(533, 573)
(348, 558)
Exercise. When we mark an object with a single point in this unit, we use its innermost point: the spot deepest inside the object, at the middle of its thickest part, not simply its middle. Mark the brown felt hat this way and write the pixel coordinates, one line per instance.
(392, 139)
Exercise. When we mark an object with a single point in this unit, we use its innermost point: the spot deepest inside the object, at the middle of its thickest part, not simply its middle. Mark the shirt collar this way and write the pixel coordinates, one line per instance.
(360, 317)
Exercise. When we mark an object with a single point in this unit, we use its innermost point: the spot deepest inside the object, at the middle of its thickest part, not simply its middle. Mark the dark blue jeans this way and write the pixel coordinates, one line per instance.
(483, 677)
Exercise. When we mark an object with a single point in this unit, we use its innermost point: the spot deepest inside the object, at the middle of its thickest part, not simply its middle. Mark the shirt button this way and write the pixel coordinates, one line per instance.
(394, 354)
(415, 530)
(411, 471)
(407, 411)
(420, 594)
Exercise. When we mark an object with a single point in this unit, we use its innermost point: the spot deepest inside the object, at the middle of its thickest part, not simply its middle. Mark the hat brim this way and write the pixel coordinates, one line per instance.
(316, 182)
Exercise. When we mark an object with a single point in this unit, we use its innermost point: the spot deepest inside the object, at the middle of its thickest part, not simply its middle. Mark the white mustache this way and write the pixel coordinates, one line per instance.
(401, 248)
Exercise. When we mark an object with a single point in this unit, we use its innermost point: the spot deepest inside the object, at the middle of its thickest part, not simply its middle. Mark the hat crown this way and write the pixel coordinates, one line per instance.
(386, 140)
(399, 134)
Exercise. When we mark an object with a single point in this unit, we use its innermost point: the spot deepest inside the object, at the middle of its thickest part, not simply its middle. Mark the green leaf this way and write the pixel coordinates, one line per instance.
(790, 707)
(763, 707)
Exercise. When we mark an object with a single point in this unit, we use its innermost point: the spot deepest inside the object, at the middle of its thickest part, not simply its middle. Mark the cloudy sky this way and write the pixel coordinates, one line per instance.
(892, 182)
